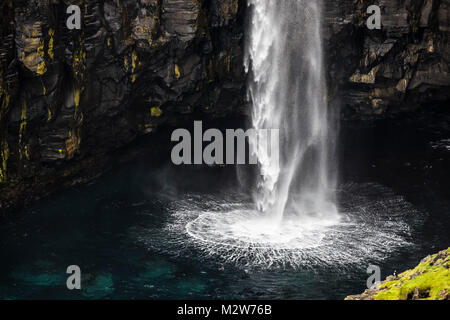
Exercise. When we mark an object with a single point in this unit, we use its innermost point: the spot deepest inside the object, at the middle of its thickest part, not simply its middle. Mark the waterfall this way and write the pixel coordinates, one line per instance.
(284, 59)
(293, 217)
(293, 220)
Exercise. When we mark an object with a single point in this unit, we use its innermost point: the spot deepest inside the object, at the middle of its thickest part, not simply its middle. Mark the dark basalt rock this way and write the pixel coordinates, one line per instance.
(69, 100)
(373, 73)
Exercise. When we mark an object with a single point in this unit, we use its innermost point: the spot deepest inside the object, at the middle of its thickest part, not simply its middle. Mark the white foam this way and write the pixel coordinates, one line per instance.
(373, 223)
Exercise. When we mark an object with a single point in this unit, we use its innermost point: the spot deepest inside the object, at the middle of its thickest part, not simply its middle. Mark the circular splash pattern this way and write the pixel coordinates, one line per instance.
(373, 224)
(248, 229)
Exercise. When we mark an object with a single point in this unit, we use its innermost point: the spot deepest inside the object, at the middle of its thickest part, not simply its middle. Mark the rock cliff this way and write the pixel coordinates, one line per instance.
(401, 67)
(70, 98)
(430, 280)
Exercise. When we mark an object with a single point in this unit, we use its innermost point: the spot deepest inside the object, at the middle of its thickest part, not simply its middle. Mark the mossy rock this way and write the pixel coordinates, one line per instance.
(430, 280)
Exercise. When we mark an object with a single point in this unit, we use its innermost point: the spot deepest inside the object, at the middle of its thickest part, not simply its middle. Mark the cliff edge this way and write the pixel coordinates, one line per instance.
(430, 280)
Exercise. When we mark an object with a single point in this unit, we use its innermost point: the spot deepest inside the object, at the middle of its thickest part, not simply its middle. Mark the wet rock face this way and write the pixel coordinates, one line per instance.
(70, 97)
(398, 68)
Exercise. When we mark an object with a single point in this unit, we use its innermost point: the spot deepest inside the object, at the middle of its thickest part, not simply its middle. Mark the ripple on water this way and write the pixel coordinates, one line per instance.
(374, 222)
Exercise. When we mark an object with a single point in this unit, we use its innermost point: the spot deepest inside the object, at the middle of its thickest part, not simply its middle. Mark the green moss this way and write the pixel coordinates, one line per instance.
(79, 70)
(131, 64)
(177, 71)
(42, 67)
(23, 121)
(50, 52)
(156, 112)
(4, 154)
(134, 60)
(76, 97)
(430, 280)
(79, 61)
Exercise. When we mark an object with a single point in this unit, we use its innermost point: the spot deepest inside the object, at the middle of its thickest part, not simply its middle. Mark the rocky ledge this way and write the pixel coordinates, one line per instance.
(430, 280)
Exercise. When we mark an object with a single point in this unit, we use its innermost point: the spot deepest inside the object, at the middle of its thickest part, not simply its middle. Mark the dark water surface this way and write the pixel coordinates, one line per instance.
(117, 229)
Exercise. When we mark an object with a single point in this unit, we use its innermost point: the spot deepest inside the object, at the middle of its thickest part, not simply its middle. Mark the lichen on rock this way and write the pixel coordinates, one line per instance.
(133, 67)
(430, 280)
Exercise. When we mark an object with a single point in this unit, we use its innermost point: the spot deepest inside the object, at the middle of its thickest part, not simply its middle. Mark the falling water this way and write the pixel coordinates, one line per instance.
(295, 221)
(284, 58)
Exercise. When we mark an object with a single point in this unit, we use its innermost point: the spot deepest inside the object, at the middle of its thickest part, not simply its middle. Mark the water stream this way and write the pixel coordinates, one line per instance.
(284, 57)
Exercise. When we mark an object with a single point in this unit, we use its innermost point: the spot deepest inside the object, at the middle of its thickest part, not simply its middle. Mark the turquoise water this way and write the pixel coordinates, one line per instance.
(125, 230)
